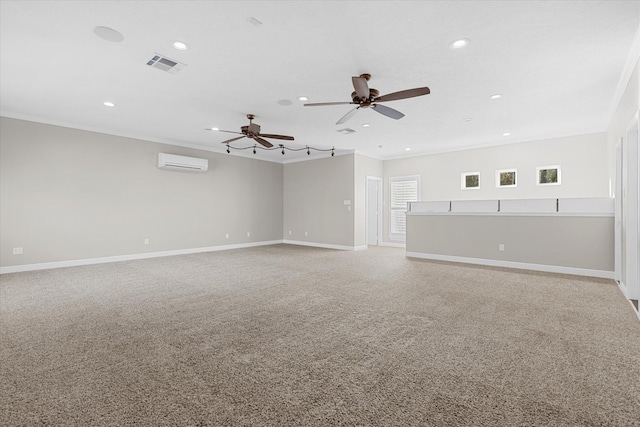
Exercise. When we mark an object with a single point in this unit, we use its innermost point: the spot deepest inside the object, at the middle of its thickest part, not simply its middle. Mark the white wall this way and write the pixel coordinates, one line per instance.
(583, 162)
(69, 194)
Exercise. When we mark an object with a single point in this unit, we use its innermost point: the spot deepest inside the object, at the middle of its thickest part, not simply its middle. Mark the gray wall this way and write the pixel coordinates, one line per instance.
(580, 242)
(69, 194)
(582, 158)
(314, 195)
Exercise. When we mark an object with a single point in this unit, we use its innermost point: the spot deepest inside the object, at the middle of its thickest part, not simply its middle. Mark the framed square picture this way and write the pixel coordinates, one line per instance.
(548, 175)
(470, 180)
(506, 178)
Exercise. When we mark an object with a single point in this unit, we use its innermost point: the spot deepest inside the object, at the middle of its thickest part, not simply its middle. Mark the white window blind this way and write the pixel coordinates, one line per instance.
(401, 191)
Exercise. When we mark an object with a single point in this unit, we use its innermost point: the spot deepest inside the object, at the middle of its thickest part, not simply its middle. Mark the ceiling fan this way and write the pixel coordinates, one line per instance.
(253, 131)
(365, 97)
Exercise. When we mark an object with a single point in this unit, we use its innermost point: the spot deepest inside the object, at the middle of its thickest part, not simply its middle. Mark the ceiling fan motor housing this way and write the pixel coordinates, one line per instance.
(373, 94)
(252, 129)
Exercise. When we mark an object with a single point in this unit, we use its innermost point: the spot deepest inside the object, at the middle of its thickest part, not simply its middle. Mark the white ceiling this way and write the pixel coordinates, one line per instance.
(557, 64)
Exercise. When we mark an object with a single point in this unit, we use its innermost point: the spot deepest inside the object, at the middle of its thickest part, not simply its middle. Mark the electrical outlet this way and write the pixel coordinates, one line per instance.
(17, 251)
(226, 236)
(248, 234)
(306, 234)
(289, 232)
(146, 241)
(501, 247)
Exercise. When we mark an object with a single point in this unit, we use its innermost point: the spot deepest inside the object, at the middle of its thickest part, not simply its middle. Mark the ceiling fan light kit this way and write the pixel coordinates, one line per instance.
(364, 97)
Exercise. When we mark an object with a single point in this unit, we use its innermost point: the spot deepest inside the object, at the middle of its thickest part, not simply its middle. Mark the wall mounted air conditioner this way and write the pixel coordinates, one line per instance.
(172, 161)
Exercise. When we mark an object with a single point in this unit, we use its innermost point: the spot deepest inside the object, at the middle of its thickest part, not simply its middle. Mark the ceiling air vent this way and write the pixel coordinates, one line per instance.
(346, 131)
(165, 64)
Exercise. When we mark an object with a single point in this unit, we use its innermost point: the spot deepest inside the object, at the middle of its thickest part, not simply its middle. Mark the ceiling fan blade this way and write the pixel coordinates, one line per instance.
(233, 139)
(263, 141)
(267, 135)
(227, 131)
(347, 116)
(403, 94)
(361, 86)
(316, 104)
(389, 112)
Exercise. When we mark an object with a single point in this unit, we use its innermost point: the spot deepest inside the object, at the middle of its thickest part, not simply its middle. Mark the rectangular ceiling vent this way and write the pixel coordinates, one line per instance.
(165, 64)
(346, 131)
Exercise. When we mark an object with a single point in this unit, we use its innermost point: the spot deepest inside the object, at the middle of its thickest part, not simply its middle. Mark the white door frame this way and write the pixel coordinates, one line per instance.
(618, 252)
(631, 205)
(379, 209)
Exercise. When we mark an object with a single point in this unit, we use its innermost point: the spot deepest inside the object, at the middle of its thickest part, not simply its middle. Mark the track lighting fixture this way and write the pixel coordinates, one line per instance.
(283, 148)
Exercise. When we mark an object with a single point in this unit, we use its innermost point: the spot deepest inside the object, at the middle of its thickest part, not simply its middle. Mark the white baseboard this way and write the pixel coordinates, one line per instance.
(102, 260)
(623, 289)
(394, 244)
(325, 245)
(511, 264)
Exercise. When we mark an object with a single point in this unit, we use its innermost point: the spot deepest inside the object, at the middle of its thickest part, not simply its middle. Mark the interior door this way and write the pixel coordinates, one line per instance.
(374, 210)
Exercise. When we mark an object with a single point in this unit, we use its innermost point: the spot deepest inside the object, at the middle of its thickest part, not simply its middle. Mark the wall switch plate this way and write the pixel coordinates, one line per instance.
(306, 234)
(226, 236)
(17, 251)
(248, 234)
(146, 241)
(347, 202)
(289, 232)
(501, 247)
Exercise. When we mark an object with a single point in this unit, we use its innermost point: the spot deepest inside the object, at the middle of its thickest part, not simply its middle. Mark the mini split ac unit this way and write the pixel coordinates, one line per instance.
(172, 161)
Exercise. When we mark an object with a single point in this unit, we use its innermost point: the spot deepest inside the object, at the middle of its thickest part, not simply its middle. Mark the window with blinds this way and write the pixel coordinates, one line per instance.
(402, 189)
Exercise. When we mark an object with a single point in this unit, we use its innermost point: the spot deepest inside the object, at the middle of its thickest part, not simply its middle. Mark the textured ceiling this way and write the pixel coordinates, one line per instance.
(557, 64)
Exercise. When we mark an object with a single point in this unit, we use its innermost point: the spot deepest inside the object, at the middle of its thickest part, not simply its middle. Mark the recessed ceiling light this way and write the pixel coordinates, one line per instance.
(180, 46)
(467, 119)
(212, 129)
(365, 125)
(457, 44)
(407, 149)
(303, 98)
(109, 104)
(496, 96)
(506, 134)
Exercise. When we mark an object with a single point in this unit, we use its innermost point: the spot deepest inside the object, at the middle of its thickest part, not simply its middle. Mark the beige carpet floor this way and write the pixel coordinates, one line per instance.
(295, 336)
